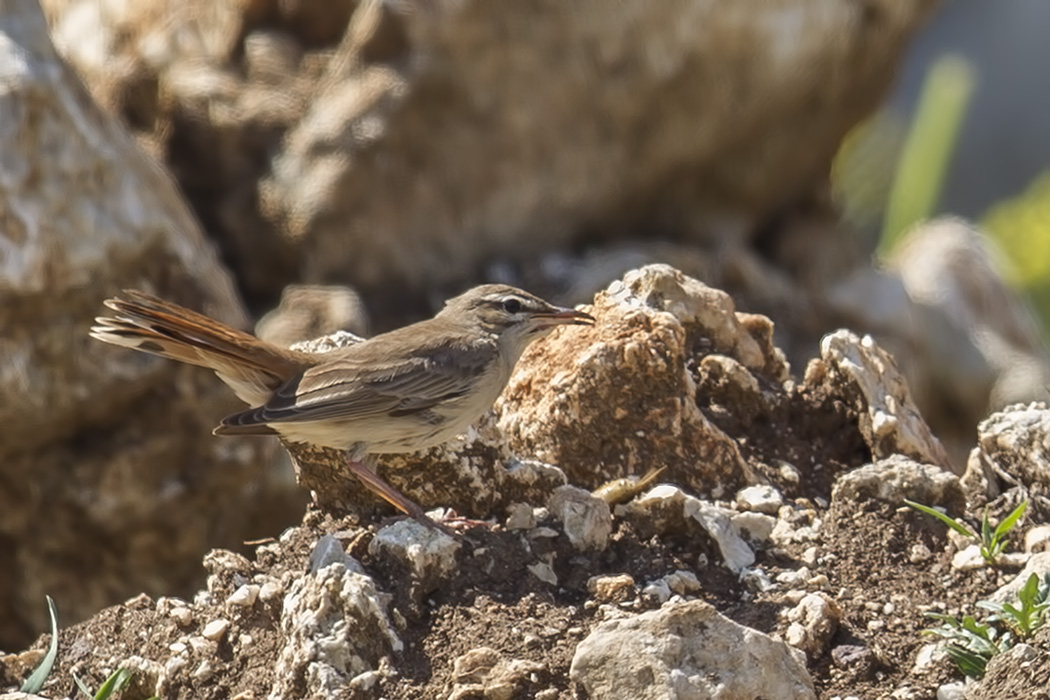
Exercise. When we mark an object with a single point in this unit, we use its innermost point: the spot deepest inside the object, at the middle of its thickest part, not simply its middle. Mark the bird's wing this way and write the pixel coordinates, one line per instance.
(360, 385)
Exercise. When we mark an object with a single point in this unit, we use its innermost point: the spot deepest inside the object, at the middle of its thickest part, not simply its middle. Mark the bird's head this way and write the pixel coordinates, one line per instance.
(513, 315)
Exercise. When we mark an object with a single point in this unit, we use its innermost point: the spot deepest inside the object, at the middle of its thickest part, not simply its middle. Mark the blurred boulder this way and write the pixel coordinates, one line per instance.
(96, 506)
(439, 137)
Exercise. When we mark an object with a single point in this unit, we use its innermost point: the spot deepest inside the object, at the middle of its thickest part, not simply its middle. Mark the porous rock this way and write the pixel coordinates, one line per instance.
(485, 673)
(335, 628)
(813, 624)
(687, 649)
(1013, 446)
(865, 374)
(427, 553)
(894, 479)
(586, 519)
(617, 398)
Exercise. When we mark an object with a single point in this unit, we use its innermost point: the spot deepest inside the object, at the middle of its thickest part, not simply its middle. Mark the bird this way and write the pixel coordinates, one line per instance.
(401, 391)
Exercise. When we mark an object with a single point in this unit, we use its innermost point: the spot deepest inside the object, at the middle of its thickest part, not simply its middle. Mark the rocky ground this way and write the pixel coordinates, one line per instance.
(772, 557)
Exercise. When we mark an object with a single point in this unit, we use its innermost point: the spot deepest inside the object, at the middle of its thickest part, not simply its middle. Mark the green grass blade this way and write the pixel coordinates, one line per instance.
(946, 519)
(117, 681)
(83, 686)
(1008, 523)
(928, 148)
(37, 678)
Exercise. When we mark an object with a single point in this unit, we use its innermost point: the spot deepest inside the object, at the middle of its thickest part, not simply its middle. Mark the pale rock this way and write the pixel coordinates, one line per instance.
(1037, 539)
(520, 516)
(753, 527)
(215, 630)
(1013, 446)
(683, 582)
(245, 596)
(897, 478)
(334, 627)
(270, 591)
(658, 591)
(586, 519)
(485, 672)
(1038, 564)
(956, 690)
(611, 588)
(761, 498)
(889, 420)
(427, 553)
(687, 649)
(543, 571)
(814, 622)
(795, 578)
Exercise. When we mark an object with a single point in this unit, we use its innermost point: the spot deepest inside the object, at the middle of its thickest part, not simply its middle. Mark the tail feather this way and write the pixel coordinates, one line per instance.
(252, 368)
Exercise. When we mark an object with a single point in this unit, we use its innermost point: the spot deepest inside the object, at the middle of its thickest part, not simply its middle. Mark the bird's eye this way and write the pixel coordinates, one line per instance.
(512, 305)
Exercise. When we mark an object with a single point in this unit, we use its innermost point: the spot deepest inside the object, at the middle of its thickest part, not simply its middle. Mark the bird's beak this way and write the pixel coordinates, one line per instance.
(562, 316)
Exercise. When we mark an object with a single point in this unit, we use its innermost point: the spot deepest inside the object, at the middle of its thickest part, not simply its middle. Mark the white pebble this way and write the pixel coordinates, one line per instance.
(215, 629)
(244, 596)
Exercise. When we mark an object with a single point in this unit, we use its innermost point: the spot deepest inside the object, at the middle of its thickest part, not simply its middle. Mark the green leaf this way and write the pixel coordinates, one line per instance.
(968, 662)
(116, 682)
(946, 519)
(1008, 523)
(37, 678)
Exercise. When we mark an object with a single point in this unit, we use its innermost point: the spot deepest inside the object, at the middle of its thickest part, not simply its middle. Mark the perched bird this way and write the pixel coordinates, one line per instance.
(402, 391)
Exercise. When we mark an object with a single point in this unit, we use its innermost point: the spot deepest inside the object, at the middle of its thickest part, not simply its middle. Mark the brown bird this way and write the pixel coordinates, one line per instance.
(402, 391)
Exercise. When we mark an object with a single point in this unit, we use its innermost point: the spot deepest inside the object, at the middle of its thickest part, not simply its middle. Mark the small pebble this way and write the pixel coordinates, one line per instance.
(269, 591)
(182, 615)
(215, 629)
(244, 596)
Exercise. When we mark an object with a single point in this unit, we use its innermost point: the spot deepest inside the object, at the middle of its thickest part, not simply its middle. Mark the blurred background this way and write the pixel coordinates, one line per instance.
(310, 165)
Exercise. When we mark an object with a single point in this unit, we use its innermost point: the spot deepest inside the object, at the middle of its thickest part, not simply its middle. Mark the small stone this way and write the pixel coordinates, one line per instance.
(204, 671)
(809, 557)
(761, 498)
(542, 532)
(611, 588)
(543, 571)
(182, 615)
(794, 578)
(215, 629)
(174, 665)
(756, 579)
(969, 559)
(270, 591)
(177, 647)
(657, 591)
(245, 596)
(683, 582)
(919, 553)
(1037, 539)
(754, 527)
(200, 645)
(520, 516)
(586, 519)
(955, 690)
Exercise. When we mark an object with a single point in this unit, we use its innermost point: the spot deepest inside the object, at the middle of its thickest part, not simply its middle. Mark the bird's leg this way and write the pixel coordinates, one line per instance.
(388, 493)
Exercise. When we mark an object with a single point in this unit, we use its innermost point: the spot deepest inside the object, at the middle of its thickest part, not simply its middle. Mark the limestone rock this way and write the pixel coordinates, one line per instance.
(687, 650)
(813, 624)
(867, 374)
(894, 479)
(586, 519)
(617, 398)
(1013, 446)
(428, 554)
(335, 628)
